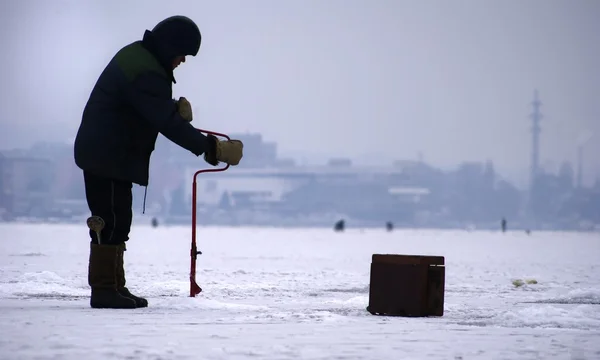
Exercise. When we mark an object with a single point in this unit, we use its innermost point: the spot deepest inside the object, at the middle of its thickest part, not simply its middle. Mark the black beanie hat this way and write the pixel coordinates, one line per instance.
(180, 34)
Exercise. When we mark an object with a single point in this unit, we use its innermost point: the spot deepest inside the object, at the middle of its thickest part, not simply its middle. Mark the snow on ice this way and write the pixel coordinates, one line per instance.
(299, 294)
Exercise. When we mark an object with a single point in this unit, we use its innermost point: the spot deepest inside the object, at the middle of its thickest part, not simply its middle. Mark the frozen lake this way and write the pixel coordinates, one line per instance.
(298, 294)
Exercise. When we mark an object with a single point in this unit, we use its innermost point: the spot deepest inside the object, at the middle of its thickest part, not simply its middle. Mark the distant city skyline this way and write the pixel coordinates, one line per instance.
(519, 177)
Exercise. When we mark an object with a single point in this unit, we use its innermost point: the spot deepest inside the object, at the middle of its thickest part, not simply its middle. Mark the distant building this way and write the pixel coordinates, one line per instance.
(409, 194)
(257, 153)
(25, 186)
(339, 162)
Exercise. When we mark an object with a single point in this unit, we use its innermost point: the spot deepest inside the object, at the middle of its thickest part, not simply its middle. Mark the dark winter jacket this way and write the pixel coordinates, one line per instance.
(130, 104)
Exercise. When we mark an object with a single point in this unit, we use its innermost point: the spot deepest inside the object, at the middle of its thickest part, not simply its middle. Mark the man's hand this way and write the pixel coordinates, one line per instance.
(227, 151)
(184, 108)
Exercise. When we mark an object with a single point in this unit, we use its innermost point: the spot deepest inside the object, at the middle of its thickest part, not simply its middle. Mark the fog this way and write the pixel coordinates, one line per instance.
(369, 80)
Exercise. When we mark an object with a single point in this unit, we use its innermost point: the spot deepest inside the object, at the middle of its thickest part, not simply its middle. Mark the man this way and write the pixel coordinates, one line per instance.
(130, 104)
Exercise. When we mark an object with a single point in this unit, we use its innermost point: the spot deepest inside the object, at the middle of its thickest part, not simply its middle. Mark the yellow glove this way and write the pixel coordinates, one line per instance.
(184, 108)
(227, 151)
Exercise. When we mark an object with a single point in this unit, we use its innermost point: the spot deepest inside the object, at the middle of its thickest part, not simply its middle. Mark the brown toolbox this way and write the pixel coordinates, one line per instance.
(407, 285)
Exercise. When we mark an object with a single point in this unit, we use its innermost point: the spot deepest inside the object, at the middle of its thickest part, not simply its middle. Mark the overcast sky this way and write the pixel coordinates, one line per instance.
(374, 79)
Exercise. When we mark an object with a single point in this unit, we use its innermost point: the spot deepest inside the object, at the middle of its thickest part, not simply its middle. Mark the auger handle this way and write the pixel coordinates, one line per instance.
(194, 288)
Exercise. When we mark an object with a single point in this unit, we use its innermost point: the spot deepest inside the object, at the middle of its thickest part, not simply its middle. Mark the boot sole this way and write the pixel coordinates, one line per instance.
(102, 306)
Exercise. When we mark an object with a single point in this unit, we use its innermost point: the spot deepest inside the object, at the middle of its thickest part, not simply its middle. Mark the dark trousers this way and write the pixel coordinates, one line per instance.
(112, 201)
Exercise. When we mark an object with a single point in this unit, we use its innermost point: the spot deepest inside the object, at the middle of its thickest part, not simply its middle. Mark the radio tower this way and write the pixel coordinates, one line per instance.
(579, 166)
(536, 116)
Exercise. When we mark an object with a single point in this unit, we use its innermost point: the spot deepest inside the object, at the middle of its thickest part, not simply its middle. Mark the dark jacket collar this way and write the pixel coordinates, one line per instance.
(160, 52)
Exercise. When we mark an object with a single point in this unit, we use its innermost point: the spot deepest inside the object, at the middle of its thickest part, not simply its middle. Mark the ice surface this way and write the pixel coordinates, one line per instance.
(298, 294)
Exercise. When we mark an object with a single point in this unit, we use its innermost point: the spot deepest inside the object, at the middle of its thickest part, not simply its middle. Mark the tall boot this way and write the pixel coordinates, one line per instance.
(139, 301)
(102, 278)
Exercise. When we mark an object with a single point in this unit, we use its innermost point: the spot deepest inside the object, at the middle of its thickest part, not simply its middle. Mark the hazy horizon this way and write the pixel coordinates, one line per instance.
(453, 81)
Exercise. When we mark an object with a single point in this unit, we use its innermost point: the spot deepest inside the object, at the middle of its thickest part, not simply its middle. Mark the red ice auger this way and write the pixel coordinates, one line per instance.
(194, 252)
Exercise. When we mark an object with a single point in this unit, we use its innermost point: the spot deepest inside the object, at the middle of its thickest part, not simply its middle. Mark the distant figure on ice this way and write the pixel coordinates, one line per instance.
(154, 222)
(389, 226)
(130, 104)
(503, 225)
(339, 226)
